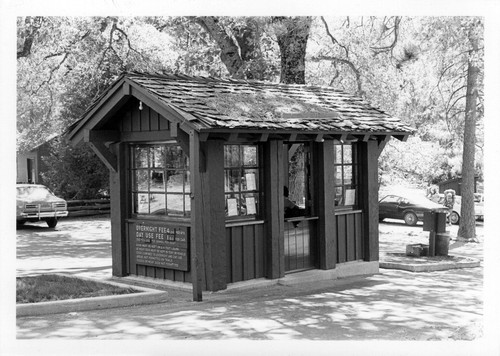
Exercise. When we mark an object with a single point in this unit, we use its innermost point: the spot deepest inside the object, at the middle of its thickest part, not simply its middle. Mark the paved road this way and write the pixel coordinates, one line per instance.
(79, 246)
(393, 305)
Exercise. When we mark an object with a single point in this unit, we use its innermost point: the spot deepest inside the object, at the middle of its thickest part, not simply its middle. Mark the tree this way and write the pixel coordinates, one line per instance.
(292, 34)
(413, 68)
(74, 173)
(467, 220)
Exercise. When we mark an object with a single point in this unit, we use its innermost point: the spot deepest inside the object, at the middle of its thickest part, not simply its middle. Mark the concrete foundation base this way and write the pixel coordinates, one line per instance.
(342, 270)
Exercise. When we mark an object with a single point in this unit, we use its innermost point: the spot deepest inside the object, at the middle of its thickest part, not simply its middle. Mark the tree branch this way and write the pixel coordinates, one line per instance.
(33, 25)
(340, 60)
(395, 30)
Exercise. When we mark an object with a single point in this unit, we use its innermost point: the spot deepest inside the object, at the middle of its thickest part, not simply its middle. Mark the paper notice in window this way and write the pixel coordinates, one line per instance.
(250, 179)
(143, 206)
(250, 202)
(232, 207)
(350, 196)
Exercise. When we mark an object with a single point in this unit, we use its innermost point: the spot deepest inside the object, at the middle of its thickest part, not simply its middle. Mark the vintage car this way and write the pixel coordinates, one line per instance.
(35, 202)
(408, 208)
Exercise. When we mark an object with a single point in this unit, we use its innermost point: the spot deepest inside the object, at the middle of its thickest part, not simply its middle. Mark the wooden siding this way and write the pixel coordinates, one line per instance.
(145, 120)
(245, 258)
(349, 236)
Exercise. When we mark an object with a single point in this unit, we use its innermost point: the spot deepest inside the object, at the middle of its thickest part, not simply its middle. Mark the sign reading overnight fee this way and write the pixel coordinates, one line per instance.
(161, 245)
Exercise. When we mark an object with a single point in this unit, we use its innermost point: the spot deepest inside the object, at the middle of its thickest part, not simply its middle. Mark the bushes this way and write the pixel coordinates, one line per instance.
(74, 173)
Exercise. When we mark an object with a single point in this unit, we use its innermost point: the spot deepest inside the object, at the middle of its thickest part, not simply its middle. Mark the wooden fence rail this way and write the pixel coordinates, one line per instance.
(88, 207)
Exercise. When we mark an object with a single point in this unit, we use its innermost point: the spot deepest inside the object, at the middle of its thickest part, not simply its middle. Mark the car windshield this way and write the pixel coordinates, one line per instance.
(33, 192)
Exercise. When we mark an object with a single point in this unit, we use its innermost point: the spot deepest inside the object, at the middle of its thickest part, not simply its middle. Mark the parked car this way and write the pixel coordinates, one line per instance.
(35, 202)
(457, 208)
(408, 208)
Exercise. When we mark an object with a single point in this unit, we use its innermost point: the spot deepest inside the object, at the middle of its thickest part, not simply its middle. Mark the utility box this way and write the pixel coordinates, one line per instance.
(435, 222)
(417, 250)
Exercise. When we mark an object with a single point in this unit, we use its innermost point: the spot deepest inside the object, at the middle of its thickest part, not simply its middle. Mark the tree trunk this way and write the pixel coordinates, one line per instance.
(230, 51)
(292, 34)
(467, 227)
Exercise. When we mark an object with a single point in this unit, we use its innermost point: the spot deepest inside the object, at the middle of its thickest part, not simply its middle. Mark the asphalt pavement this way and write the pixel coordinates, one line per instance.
(393, 305)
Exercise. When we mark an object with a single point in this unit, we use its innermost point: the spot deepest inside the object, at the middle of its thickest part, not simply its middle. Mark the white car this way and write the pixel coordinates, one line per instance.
(457, 208)
(35, 202)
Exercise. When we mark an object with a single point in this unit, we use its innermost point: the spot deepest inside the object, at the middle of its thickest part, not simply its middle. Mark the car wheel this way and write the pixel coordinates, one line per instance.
(410, 218)
(454, 218)
(52, 222)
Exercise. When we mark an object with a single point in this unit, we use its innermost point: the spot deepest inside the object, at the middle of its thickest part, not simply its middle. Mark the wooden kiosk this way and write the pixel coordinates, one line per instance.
(198, 169)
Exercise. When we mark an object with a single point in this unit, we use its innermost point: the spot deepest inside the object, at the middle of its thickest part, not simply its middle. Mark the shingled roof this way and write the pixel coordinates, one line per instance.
(209, 104)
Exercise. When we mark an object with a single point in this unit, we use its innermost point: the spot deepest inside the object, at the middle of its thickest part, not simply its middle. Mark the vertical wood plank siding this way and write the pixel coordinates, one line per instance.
(145, 120)
(349, 237)
(245, 257)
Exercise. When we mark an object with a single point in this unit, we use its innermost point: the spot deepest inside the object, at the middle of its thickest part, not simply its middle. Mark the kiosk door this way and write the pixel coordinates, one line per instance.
(300, 223)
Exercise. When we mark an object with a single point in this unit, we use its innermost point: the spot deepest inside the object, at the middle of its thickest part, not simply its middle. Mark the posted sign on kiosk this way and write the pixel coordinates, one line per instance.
(160, 245)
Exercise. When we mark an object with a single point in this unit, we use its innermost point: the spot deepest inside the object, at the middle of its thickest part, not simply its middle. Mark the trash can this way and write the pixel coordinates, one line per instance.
(442, 243)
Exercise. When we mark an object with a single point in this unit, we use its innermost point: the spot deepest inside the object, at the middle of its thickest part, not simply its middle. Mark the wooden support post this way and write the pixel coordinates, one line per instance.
(369, 152)
(196, 245)
(432, 243)
(327, 237)
(118, 200)
(213, 218)
(275, 180)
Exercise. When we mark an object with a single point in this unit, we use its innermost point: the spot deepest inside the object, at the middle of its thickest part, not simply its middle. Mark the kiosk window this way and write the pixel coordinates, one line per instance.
(242, 181)
(346, 175)
(160, 180)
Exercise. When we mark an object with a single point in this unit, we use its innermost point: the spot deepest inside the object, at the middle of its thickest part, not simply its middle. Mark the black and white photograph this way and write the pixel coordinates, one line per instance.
(223, 177)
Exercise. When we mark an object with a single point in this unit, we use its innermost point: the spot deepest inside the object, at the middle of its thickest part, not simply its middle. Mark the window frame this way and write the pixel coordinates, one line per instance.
(343, 165)
(134, 191)
(241, 193)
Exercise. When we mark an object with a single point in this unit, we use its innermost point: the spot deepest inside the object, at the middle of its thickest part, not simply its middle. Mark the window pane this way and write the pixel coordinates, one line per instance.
(250, 156)
(338, 154)
(232, 205)
(141, 180)
(250, 179)
(175, 204)
(339, 194)
(187, 181)
(157, 204)
(231, 156)
(338, 175)
(250, 203)
(158, 156)
(347, 154)
(141, 203)
(187, 205)
(347, 175)
(174, 157)
(175, 181)
(140, 157)
(157, 183)
(232, 180)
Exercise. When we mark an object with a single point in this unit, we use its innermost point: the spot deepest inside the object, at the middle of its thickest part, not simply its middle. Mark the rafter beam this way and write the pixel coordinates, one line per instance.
(101, 135)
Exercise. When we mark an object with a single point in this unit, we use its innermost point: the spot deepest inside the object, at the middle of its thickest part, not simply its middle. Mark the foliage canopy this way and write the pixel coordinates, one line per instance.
(413, 68)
